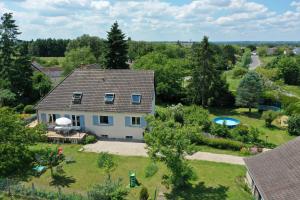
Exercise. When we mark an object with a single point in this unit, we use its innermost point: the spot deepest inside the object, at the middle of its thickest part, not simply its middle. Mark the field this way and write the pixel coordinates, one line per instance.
(215, 180)
(51, 61)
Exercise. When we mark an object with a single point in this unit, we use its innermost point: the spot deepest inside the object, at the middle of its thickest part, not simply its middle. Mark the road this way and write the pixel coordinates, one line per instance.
(255, 62)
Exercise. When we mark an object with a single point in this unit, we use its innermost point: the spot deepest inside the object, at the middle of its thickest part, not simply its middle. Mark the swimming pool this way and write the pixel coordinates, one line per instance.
(227, 121)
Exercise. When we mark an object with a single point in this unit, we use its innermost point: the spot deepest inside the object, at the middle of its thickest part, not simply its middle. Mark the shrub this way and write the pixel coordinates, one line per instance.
(150, 170)
(245, 151)
(105, 160)
(19, 107)
(144, 195)
(293, 108)
(195, 115)
(271, 73)
(294, 125)
(269, 117)
(90, 139)
(29, 109)
(222, 143)
(239, 72)
(220, 130)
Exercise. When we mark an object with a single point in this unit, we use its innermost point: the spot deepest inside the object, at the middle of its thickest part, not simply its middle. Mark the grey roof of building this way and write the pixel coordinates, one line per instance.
(276, 173)
(94, 83)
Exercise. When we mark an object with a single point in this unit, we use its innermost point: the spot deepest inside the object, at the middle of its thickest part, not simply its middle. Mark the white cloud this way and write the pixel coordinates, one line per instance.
(150, 19)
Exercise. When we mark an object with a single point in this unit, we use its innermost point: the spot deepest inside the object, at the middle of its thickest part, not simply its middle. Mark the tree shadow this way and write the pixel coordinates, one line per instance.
(223, 111)
(59, 180)
(199, 191)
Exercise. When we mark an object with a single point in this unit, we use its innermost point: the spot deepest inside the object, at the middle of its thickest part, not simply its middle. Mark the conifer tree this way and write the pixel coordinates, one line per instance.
(116, 57)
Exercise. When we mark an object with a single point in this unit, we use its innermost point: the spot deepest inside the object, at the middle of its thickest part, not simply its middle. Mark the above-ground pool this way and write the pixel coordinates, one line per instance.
(229, 122)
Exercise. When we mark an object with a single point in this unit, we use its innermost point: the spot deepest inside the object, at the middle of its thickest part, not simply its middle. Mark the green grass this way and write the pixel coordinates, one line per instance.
(292, 89)
(233, 82)
(215, 180)
(205, 148)
(50, 59)
(275, 135)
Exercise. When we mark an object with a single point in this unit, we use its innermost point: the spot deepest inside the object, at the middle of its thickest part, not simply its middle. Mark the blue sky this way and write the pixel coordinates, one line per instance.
(155, 20)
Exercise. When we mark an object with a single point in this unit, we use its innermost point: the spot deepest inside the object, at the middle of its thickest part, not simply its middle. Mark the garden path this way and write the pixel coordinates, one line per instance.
(139, 149)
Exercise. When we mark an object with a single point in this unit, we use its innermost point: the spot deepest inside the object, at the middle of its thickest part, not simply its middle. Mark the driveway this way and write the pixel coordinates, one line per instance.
(138, 149)
(255, 62)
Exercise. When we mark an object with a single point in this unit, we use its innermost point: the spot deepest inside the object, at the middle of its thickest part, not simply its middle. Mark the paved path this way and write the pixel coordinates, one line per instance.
(255, 62)
(138, 149)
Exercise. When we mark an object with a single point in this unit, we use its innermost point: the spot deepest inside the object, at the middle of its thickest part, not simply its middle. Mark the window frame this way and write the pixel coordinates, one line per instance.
(101, 116)
(128, 137)
(51, 118)
(75, 120)
(136, 102)
(106, 98)
(135, 121)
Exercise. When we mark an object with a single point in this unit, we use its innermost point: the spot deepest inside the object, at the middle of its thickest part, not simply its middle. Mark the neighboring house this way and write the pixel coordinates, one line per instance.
(54, 73)
(275, 174)
(108, 103)
(271, 51)
(296, 51)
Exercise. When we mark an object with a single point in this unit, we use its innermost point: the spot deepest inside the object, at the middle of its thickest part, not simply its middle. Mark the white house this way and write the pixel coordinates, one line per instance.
(108, 103)
(296, 51)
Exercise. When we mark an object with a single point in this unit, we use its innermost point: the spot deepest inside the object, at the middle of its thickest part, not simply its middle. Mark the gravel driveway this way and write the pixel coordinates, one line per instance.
(138, 149)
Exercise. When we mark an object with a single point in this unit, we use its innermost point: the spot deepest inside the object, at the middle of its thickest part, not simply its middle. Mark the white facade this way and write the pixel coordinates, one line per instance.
(117, 130)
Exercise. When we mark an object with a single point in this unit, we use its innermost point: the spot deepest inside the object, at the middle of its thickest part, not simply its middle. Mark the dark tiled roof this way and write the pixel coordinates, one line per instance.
(276, 173)
(94, 83)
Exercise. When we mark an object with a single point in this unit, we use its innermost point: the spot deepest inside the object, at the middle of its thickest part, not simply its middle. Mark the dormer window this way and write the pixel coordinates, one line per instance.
(109, 97)
(77, 96)
(136, 98)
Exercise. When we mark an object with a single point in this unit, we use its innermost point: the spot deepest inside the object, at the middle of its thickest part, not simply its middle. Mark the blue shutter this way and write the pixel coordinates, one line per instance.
(43, 117)
(57, 116)
(143, 122)
(67, 116)
(82, 122)
(127, 121)
(96, 120)
(110, 120)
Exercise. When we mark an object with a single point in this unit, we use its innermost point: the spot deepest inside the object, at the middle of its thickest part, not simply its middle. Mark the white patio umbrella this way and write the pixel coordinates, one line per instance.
(63, 121)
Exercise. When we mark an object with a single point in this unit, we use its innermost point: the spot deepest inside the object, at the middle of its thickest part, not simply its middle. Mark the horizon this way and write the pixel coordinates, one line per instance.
(154, 20)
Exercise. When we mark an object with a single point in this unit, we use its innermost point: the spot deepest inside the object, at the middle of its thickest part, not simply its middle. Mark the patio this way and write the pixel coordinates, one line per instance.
(74, 137)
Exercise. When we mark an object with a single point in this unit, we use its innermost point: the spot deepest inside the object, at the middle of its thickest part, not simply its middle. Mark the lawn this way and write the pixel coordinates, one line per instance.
(275, 135)
(215, 180)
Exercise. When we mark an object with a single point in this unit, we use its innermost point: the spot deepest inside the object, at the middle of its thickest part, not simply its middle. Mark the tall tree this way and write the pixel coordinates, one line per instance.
(15, 69)
(117, 51)
(250, 90)
(8, 38)
(203, 72)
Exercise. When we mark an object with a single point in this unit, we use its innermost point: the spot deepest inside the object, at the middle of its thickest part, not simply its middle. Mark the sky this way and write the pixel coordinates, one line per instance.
(157, 20)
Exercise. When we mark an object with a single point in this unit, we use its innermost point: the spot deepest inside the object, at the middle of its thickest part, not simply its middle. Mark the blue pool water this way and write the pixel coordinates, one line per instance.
(230, 122)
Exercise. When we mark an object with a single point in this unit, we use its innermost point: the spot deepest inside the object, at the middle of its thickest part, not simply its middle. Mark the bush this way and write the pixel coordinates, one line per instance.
(150, 170)
(144, 195)
(90, 139)
(271, 74)
(293, 108)
(269, 117)
(29, 109)
(294, 125)
(220, 130)
(222, 143)
(105, 160)
(19, 108)
(239, 72)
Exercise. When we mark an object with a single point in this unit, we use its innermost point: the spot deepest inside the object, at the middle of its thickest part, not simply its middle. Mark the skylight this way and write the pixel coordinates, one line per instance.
(77, 96)
(109, 97)
(136, 98)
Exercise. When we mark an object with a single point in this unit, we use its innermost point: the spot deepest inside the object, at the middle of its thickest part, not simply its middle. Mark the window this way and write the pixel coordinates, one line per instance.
(136, 121)
(104, 136)
(77, 96)
(104, 120)
(75, 120)
(129, 137)
(52, 118)
(109, 97)
(136, 98)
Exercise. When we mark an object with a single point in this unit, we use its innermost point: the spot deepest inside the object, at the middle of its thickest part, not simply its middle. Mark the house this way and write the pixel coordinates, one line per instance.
(275, 174)
(271, 51)
(54, 73)
(108, 103)
(296, 51)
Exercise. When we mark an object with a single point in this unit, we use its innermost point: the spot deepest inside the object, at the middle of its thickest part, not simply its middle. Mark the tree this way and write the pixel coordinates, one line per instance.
(167, 142)
(41, 84)
(207, 85)
(7, 97)
(77, 57)
(269, 117)
(289, 71)
(15, 155)
(106, 161)
(246, 59)
(249, 90)
(109, 190)
(144, 195)
(229, 54)
(117, 49)
(294, 125)
(96, 44)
